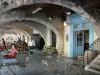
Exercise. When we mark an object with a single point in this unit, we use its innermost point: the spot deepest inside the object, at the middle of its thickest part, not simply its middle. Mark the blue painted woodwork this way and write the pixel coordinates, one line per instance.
(71, 41)
(78, 44)
(91, 35)
(76, 19)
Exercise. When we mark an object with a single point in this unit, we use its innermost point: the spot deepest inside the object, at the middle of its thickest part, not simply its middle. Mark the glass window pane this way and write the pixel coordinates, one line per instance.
(79, 43)
(79, 33)
(84, 25)
(81, 38)
(76, 26)
(78, 38)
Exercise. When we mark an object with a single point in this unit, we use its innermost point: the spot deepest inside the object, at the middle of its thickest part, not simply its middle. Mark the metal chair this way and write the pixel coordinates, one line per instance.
(56, 67)
(6, 63)
(23, 60)
(49, 68)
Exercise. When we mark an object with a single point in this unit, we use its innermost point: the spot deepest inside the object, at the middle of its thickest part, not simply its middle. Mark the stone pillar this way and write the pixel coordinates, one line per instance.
(67, 37)
(59, 45)
(48, 37)
(58, 24)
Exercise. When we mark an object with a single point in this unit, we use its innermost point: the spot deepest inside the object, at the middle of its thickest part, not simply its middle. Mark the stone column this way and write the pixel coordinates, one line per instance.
(48, 37)
(60, 44)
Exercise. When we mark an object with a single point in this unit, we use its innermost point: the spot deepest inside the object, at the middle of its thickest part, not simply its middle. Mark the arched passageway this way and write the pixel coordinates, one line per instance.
(33, 25)
(59, 44)
(39, 41)
(13, 34)
(64, 3)
(41, 31)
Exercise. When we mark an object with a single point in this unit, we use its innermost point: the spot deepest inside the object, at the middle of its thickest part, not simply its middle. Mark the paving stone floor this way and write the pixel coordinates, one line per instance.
(33, 67)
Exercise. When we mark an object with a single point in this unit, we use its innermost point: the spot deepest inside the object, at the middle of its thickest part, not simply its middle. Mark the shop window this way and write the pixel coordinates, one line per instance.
(79, 39)
(77, 26)
(79, 43)
(84, 25)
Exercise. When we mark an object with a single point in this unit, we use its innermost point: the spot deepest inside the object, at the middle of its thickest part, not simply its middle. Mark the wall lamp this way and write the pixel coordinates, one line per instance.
(68, 13)
(65, 23)
(50, 18)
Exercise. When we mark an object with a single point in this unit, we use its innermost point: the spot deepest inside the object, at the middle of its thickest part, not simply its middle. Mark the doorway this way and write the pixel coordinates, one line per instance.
(39, 41)
(53, 39)
(81, 42)
(86, 40)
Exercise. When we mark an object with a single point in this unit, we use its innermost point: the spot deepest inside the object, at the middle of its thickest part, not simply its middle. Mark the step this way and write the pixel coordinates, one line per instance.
(95, 70)
(94, 66)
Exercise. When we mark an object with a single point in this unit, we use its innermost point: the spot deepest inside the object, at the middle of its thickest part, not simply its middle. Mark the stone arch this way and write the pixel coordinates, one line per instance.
(59, 44)
(29, 24)
(40, 34)
(64, 3)
(24, 32)
(36, 20)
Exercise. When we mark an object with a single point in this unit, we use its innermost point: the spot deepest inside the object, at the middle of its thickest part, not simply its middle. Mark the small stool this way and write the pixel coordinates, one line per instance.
(81, 58)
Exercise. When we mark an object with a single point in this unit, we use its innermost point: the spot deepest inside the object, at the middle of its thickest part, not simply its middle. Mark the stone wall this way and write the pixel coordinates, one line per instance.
(55, 26)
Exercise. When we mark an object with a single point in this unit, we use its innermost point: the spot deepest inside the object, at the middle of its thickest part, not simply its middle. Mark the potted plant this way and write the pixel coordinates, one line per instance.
(50, 50)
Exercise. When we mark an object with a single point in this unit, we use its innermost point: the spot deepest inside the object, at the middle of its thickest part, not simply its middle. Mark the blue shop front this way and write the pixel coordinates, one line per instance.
(81, 35)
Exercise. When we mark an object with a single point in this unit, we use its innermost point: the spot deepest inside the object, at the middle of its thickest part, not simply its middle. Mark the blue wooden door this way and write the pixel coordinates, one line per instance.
(78, 43)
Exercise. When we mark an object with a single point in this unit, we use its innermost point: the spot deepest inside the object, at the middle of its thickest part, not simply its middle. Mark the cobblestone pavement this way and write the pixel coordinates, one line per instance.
(34, 67)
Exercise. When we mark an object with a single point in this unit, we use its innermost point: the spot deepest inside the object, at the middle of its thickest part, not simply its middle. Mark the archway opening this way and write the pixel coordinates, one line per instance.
(16, 37)
(39, 41)
(53, 39)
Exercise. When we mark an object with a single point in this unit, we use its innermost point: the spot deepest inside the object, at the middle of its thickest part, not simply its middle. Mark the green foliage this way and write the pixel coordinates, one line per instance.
(49, 50)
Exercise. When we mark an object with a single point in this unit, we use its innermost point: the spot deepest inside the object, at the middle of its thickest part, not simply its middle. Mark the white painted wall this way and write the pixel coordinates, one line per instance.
(67, 42)
(96, 47)
(95, 36)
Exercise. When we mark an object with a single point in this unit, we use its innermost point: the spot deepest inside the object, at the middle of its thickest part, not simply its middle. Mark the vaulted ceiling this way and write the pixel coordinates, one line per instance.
(14, 26)
(91, 6)
(49, 9)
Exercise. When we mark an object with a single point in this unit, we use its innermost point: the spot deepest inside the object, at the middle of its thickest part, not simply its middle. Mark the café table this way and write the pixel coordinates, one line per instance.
(8, 63)
(3, 53)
